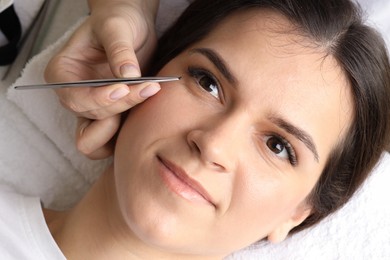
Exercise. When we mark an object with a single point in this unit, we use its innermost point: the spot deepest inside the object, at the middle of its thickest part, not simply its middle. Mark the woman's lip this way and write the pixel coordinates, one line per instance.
(179, 181)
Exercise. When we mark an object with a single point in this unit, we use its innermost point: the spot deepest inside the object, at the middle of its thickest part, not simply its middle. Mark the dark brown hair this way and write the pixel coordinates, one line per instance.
(337, 28)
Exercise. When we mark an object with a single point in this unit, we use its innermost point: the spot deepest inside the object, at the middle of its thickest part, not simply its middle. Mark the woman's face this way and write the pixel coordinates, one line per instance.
(228, 154)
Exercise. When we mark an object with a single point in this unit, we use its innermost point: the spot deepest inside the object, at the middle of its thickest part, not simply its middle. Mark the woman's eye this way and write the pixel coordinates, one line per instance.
(206, 81)
(209, 85)
(281, 148)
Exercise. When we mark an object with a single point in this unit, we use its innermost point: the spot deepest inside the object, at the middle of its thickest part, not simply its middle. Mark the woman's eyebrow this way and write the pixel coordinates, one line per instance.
(218, 62)
(222, 66)
(299, 133)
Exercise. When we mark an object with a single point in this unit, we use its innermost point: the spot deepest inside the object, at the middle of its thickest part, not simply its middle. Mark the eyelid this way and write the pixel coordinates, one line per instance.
(292, 155)
(291, 151)
(195, 71)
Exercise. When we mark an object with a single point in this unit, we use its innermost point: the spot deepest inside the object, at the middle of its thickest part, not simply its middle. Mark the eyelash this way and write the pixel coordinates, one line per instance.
(292, 157)
(200, 73)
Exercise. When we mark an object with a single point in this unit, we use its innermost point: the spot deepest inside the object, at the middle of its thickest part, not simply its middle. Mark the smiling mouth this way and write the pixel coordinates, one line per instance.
(180, 183)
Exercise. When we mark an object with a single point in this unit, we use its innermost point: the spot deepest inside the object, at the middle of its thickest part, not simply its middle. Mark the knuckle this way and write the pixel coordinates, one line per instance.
(73, 107)
(68, 101)
(83, 147)
(96, 114)
(133, 98)
(120, 50)
(70, 105)
(118, 46)
(113, 22)
(131, 102)
(101, 102)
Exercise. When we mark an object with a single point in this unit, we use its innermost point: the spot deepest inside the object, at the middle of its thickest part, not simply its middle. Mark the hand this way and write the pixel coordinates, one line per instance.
(94, 138)
(106, 45)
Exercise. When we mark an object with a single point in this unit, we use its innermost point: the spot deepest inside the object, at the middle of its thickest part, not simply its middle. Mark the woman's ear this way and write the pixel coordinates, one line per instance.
(281, 231)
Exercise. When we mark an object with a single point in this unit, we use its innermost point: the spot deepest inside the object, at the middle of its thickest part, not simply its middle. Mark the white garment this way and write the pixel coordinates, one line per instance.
(26, 11)
(4, 4)
(23, 230)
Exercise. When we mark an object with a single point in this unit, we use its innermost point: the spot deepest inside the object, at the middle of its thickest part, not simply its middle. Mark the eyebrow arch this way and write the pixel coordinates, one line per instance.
(218, 62)
(300, 134)
(221, 65)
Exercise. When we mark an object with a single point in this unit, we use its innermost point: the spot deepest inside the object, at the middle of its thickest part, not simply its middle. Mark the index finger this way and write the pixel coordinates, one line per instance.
(102, 102)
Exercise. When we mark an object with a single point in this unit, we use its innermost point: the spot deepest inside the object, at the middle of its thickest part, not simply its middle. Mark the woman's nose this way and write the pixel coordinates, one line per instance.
(218, 145)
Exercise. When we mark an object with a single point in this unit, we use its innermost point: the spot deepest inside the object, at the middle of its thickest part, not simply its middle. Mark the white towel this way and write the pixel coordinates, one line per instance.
(359, 231)
(29, 125)
(57, 125)
(37, 156)
(26, 13)
(29, 161)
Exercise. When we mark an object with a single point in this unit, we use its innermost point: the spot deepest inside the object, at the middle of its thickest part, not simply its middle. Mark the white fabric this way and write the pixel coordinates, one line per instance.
(26, 13)
(23, 230)
(4, 4)
(37, 156)
(359, 231)
(37, 141)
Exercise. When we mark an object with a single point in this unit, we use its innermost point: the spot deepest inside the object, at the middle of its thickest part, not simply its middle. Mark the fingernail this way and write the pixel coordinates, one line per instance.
(119, 93)
(129, 71)
(149, 91)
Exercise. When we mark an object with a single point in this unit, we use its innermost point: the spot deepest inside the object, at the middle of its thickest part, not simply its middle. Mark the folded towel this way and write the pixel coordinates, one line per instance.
(37, 135)
(359, 231)
(31, 163)
(58, 125)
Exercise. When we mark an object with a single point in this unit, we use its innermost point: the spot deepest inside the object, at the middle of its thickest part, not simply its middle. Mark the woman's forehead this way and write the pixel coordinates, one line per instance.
(274, 27)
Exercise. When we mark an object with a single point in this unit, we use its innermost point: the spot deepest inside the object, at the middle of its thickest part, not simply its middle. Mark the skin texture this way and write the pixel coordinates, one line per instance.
(196, 173)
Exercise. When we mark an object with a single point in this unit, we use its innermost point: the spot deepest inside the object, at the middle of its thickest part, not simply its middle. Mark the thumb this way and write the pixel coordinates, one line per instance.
(119, 47)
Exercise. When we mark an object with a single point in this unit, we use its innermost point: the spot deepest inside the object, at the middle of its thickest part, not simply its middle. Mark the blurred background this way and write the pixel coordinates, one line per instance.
(43, 22)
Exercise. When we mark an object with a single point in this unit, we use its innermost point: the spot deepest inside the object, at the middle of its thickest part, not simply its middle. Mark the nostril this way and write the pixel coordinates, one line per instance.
(191, 140)
(195, 147)
(218, 166)
(210, 150)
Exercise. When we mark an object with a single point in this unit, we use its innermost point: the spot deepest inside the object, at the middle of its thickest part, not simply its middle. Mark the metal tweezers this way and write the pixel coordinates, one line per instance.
(98, 82)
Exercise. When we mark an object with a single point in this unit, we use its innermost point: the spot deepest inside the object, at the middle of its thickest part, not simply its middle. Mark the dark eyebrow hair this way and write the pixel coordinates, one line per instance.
(221, 65)
(298, 133)
(218, 62)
